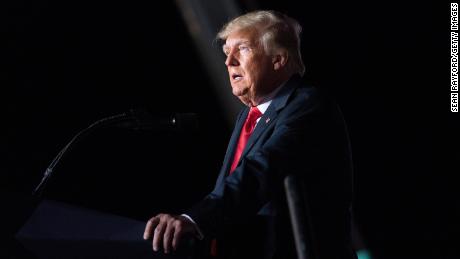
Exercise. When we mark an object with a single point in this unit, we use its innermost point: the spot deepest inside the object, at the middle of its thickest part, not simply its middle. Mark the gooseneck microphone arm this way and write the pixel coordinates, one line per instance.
(115, 119)
(135, 119)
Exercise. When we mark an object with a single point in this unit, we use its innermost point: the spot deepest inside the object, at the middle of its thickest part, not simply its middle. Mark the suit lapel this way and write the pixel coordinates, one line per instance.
(270, 115)
(234, 140)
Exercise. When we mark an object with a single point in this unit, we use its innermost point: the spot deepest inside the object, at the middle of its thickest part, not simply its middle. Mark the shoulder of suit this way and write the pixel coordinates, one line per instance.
(309, 92)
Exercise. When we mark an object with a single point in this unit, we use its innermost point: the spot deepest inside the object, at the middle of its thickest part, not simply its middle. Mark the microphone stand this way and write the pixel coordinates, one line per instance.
(115, 119)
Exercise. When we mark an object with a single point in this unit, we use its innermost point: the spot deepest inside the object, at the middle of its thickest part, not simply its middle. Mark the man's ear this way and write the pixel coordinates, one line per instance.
(279, 60)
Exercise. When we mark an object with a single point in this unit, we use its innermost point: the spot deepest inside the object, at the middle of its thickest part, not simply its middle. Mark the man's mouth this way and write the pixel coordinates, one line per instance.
(236, 77)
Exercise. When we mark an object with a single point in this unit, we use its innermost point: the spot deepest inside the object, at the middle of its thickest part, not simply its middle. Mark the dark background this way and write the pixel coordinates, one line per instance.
(65, 64)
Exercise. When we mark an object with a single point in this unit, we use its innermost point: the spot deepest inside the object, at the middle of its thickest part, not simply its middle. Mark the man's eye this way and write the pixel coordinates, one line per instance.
(244, 48)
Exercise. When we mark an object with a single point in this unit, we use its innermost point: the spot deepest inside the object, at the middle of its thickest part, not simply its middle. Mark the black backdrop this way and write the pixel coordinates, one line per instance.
(66, 64)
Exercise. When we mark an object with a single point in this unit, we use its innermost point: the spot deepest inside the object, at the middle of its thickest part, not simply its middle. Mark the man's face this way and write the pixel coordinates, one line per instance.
(249, 67)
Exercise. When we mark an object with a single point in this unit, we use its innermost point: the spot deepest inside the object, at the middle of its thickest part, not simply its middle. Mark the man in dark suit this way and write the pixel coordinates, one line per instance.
(287, 128)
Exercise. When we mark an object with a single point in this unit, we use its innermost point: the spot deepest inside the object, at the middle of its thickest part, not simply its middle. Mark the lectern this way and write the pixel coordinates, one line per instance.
(61, 230)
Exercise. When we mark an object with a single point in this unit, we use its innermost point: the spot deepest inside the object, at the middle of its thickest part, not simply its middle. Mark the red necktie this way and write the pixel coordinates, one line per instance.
(246, 132)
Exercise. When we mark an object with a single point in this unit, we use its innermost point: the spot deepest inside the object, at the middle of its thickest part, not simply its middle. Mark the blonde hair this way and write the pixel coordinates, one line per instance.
(278, 32)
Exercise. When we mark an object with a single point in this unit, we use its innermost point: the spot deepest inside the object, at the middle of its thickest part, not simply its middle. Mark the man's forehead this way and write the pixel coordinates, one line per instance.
(241, 37)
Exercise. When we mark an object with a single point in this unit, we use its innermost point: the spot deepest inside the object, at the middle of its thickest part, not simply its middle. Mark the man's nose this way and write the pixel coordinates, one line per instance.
(231, 60)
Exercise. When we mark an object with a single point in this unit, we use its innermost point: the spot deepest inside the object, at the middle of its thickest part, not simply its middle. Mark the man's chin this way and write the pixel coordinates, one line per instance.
(238, 91)
(242, 94)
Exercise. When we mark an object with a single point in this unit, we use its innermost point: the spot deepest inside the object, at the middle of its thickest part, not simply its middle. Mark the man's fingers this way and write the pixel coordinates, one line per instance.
(151, 224)
(177, 235)
(158, 235)
(168, 236)
(168, 230)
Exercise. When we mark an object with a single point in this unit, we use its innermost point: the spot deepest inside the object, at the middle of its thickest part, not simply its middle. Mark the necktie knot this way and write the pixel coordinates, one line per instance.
(254, 114)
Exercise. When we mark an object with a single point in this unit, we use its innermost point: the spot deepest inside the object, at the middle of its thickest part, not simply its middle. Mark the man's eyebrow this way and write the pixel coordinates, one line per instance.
(237, 43)
(243, 42)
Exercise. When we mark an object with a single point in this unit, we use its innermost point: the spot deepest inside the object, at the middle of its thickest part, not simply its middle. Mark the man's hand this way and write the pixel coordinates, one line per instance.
(168, 230)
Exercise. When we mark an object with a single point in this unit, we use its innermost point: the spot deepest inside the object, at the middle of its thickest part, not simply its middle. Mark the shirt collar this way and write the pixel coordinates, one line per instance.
(264, 106)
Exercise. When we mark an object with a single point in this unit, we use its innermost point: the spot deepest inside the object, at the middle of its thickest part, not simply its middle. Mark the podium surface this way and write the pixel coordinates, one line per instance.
(61, 230)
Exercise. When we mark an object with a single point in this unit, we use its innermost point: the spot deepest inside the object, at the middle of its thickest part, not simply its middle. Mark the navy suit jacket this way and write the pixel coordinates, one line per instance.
(301, 133)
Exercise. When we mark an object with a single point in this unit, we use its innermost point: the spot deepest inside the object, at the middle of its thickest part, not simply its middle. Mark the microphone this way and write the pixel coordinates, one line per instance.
(135, 119)
(140, 119)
